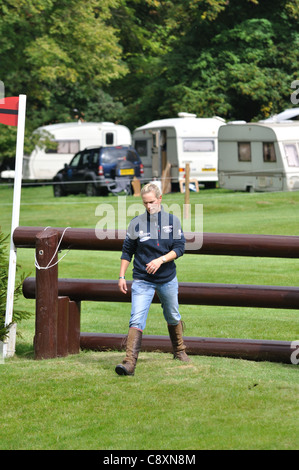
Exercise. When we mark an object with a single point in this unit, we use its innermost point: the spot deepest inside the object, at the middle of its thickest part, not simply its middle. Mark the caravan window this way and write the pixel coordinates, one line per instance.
(109, 138)
(269, 154)
(291, 154)
(244, 151)
(198, 145)
(65, 147)
(141, 147)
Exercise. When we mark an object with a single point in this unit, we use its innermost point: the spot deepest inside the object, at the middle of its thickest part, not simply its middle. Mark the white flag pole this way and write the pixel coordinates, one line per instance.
(9, 343)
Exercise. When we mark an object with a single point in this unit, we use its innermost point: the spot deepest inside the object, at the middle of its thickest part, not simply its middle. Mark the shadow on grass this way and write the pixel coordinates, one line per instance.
(25, 350)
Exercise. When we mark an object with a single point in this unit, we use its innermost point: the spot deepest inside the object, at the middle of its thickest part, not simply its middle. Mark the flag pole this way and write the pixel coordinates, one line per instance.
(10, 341)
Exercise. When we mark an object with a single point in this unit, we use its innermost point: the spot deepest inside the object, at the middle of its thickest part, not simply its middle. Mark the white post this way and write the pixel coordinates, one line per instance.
(9, 343)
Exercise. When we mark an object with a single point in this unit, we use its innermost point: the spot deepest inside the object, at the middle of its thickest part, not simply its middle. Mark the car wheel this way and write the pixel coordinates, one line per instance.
(103, 192)
(58, 190)
(91, 190)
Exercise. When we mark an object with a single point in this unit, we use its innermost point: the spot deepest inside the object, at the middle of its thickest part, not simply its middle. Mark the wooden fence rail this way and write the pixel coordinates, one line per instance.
(58, 301)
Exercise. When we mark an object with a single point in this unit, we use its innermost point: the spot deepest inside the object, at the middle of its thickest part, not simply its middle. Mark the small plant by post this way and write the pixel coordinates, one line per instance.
(1, 353)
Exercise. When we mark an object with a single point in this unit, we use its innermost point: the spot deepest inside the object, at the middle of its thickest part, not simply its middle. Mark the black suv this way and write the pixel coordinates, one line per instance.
(99, 170)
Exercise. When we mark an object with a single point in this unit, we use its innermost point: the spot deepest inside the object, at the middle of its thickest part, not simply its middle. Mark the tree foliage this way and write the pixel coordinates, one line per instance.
(59, 53)
(131, 61)
(209, 63)
(18, 314)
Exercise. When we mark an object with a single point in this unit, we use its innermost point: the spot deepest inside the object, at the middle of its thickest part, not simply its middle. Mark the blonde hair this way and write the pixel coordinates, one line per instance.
(151, 187)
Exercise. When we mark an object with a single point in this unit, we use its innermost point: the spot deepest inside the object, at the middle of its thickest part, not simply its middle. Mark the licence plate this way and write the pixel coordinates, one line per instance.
(208, 169)
(129, 171)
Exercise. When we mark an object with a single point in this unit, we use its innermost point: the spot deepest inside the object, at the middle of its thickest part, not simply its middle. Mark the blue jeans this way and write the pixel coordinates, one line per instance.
(142, 295)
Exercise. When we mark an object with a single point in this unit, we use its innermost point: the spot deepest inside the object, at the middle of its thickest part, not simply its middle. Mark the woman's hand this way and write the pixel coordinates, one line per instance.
(122, 286)
(154, 265)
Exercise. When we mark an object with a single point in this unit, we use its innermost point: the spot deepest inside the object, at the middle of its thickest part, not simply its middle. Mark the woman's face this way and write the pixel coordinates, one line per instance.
(151, 202)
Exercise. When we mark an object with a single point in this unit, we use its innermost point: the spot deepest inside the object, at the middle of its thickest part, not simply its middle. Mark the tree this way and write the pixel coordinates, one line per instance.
(243, 70)
(208, 63)
(59, 53)
(132, 61)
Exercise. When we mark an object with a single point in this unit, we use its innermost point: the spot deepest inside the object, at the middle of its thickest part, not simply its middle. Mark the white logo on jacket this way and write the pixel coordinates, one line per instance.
(144, 236)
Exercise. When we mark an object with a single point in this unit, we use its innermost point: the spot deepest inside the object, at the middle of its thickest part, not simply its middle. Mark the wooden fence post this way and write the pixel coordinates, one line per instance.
(45, 341)
(74, 327)
(63, 326)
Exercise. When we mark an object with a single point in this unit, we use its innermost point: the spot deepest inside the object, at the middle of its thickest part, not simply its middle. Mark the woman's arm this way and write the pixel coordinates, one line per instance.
(154, 265)
(122, 282)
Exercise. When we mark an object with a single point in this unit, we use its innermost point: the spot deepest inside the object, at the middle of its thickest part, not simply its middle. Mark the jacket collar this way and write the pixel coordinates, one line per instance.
(156, 216)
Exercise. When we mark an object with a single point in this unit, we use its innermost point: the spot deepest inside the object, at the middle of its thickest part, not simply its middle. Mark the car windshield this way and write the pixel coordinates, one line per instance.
(113, 155)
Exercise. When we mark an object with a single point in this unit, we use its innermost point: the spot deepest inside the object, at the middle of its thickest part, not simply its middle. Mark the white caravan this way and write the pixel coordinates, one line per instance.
(43, 164)
(177, 141)
(261, 156)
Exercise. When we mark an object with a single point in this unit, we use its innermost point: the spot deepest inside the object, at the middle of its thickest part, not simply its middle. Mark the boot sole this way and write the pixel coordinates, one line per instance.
(182, 359)
(121, 370)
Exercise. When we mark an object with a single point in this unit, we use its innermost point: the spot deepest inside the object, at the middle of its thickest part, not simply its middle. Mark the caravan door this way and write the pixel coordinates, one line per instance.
(159, 152)
(156, 156)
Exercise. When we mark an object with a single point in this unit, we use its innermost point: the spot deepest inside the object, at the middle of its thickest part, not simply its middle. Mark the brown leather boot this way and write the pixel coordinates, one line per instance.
(176, 336)
(127, 367)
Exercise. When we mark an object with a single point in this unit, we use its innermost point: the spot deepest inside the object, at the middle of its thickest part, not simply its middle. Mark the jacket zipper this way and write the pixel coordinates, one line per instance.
(158, 240)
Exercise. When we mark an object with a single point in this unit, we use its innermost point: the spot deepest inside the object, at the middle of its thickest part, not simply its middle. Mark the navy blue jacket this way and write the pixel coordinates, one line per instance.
(149, 237)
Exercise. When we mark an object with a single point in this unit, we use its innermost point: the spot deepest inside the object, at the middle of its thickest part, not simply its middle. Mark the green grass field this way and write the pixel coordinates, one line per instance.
(79, 402)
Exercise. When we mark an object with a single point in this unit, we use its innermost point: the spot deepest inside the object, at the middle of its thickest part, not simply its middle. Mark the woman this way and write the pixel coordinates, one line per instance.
(155, 239)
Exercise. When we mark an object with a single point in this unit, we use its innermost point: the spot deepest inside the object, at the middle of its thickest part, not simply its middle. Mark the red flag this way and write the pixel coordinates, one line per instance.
(9, 111)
